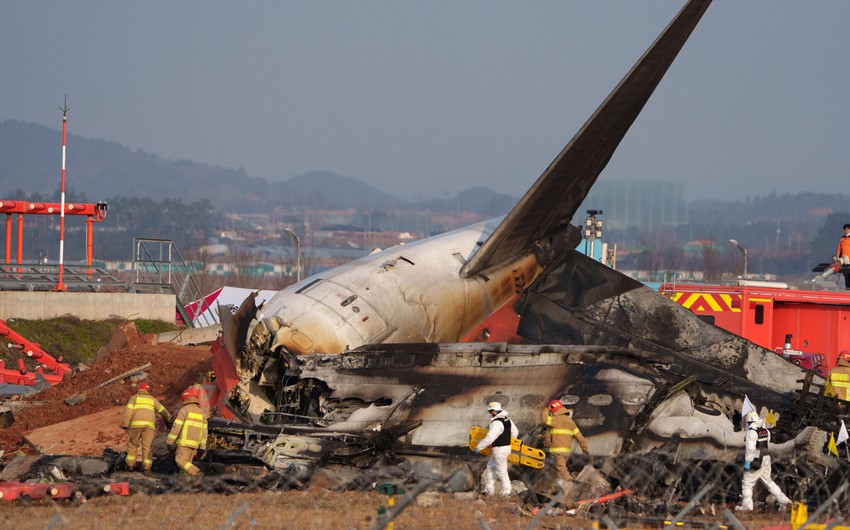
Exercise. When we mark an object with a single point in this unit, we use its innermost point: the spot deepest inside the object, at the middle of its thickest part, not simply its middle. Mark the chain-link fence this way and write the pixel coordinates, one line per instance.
(649, 490)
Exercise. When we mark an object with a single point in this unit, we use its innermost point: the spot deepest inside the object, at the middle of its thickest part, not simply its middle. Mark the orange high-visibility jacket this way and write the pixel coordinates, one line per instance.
(190, 427)
(843, 248)
(141, 411)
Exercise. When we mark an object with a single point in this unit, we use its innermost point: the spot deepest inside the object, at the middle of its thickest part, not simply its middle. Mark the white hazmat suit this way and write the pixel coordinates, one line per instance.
(752, 459)
(497, 466)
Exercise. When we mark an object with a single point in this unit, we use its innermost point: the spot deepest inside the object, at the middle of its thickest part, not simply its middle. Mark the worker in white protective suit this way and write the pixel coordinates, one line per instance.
(502, 429)
(757, 463)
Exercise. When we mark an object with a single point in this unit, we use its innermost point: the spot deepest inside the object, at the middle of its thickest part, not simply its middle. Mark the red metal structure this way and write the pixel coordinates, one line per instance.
(94, 214)
(21, 491)
(764, 313)
(22, 376)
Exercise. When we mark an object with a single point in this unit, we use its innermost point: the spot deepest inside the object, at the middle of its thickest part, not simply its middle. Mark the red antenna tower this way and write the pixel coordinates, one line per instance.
(61, 286)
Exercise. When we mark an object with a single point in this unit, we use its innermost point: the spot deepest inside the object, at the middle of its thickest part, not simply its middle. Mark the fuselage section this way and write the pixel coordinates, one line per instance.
(407, 293)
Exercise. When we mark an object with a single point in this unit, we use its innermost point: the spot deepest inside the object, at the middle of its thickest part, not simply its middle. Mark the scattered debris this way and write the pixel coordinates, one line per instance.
(125, 336)
(172, 369)
(77, 398)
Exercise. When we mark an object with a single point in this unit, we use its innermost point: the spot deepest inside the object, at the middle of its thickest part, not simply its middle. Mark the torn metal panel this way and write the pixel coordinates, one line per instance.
(621, 398)
(582, 302)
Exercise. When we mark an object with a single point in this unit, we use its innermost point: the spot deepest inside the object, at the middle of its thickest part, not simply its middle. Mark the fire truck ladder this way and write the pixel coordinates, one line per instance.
(158, 267)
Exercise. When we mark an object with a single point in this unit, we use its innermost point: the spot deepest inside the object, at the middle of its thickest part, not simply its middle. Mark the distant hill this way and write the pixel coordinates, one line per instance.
(30, 161)
(478, 199)
(322, 189)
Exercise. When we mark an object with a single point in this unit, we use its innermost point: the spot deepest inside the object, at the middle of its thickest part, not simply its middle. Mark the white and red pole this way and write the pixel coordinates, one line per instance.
(61, 286)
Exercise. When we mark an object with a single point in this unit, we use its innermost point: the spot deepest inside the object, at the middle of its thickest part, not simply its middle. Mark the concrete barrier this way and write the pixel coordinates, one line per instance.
(190, 336)
(38, 305)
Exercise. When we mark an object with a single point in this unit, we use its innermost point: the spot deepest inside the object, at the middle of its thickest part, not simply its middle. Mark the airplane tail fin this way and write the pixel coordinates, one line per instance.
(548, 207)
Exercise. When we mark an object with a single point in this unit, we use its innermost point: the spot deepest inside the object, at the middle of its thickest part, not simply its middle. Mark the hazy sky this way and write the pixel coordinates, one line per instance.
(422, 98)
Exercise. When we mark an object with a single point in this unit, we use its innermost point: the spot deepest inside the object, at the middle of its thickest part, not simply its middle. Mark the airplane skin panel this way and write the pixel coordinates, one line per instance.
(416, 285)
(353, 310)
(410, 293)
(446, 387)
(553, 200)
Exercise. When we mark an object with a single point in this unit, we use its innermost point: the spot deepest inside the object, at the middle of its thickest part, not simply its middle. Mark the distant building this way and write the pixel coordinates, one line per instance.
(643, 204)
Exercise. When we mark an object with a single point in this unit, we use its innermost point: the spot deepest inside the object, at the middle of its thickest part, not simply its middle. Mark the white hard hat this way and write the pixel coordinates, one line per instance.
(494, 405)
(752, 416)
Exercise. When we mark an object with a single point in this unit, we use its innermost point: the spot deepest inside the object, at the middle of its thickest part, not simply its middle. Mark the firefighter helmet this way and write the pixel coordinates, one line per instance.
(845, 354)
(752, 416)
(494, 405)
(144, 386)
(189, 393)
(555, 405)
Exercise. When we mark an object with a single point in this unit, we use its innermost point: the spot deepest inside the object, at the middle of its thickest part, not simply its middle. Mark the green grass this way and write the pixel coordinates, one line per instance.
(74, 339)
(154, 326)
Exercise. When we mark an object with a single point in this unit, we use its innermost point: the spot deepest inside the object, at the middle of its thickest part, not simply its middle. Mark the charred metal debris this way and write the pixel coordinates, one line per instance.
(421, 399)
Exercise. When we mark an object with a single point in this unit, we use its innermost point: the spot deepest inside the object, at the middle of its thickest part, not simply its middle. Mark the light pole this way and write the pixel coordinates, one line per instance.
(297, 253)
(743, 252)
(592, 229)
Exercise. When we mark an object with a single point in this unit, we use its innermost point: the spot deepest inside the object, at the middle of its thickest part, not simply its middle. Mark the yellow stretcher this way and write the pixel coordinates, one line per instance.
(521, 454)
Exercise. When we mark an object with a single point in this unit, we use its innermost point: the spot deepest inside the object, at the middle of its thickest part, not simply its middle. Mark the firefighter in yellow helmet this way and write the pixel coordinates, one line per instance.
(189, 432)
(839, 377)
(562, 431)
(140, 423)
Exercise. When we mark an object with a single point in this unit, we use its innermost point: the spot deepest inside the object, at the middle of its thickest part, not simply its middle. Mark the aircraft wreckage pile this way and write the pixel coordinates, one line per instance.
(654, 482)
(361, 376)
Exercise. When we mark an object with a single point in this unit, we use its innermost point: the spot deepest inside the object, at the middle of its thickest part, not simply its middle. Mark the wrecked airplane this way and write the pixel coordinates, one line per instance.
(365, 357)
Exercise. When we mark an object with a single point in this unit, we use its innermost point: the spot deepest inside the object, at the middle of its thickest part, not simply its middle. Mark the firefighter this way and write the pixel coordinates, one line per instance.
(756, 464)
(562, 431)
(842, 253)
(502, 429)
(839, 377)
(140, 423)
(189, 433)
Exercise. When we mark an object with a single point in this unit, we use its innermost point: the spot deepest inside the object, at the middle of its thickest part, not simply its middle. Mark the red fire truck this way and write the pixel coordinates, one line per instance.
(808, 327)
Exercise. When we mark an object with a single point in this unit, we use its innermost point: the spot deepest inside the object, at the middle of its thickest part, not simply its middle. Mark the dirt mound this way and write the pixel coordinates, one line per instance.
(172, 369)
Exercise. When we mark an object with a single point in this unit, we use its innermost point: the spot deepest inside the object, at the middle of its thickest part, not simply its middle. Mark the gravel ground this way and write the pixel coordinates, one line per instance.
(313, 508)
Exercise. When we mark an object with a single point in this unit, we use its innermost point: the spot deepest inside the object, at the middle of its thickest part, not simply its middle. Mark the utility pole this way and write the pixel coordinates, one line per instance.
(592, 230)
(297, 253)
(60, 286)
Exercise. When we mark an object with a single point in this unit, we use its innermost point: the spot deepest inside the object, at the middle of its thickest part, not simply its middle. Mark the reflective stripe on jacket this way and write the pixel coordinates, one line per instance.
(563, 429)
(839, 379)
(190, 427)
(141, 411)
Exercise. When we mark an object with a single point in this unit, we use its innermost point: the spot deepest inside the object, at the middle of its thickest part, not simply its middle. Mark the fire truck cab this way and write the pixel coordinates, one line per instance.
(809, 328)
